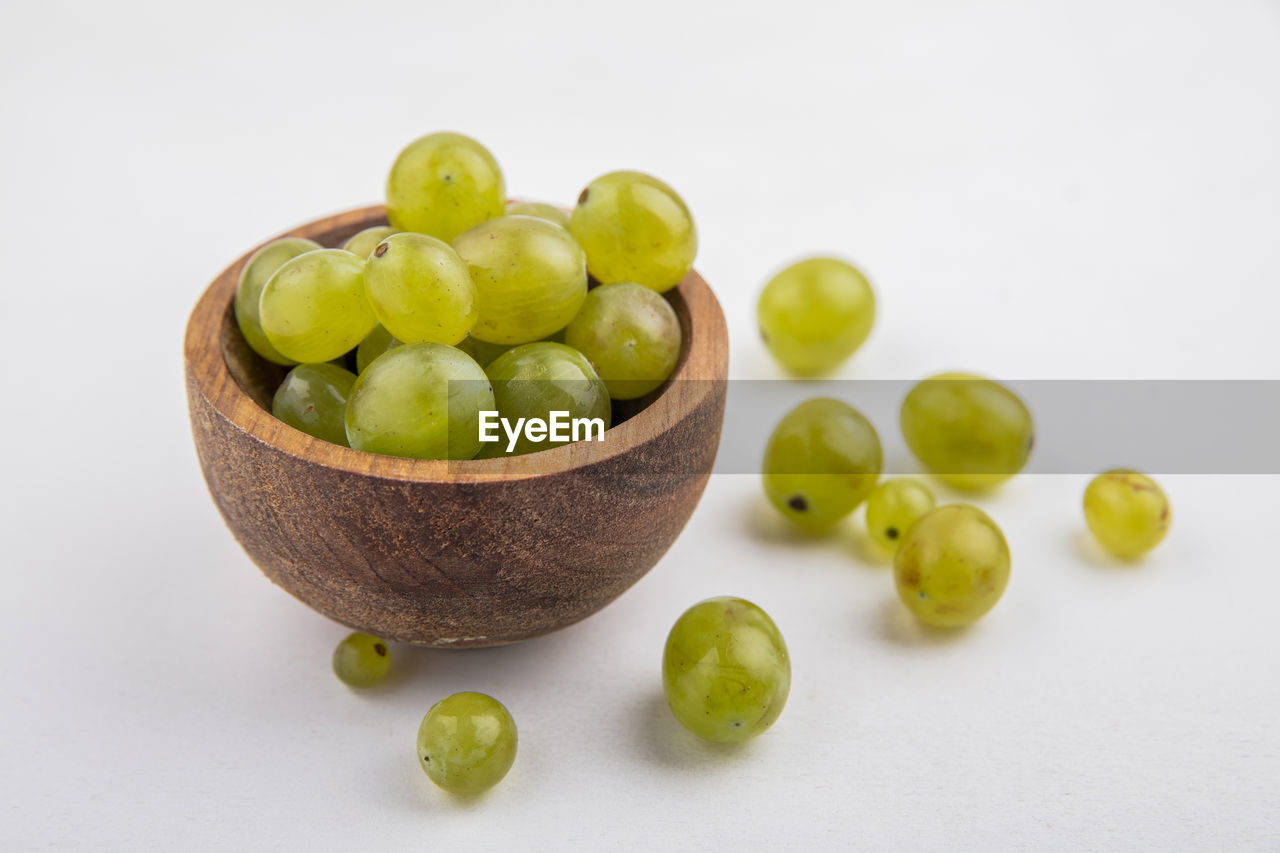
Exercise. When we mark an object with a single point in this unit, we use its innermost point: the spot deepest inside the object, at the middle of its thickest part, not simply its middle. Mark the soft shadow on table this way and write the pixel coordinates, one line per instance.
(898, 625)
(849, 536)
(1090, 551)
(662, 740)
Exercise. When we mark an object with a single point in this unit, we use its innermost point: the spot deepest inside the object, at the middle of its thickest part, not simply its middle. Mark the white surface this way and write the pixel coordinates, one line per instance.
(1038, 190)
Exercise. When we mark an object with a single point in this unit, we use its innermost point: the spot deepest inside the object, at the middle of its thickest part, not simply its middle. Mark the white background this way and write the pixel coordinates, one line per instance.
(1069, 189)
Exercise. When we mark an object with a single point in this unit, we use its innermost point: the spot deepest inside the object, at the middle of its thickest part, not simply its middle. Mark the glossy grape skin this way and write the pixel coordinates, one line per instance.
(952, 566)
(1127, 512)
(725, 670)
(893, 507)
(549, 212)
(361, 660)
(483, 352)
(362, 243)
(443, 184)
(253, 277)
(313, 398)
(822, 460)
(630, 334)
(375, 344)
(531, 276)
(634, 227)
(532, 380)
(421, 401)
(467, 743)
(970, 432)
(420, 290)
(815, 314)
(314, 308)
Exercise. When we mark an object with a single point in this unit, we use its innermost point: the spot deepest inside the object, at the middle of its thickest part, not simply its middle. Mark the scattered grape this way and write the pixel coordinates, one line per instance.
(533, 380)
(630, 334)
(363, 243)
(725, 670)
(634, 227)
(952, 566)
(549, 212)
(421, 290)
(815, 314)
(893, 507)
(314, 308)
(822, 460)
(467, 743)
(1127, 512)
(443, 184)
(313, 398)
(361, 660)
(253, 277)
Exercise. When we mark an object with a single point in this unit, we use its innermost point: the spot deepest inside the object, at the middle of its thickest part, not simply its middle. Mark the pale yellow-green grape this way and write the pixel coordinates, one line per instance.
(531, 275)
(467, 743)
(421, 290)
(631, 334)
(363, 242)
(313, 398)
(314, 307)
(375, 344)
(815, 314)
(970, 432)
(725, 670)
(549, 212)
(1127, 512)
(534, 380)
(952, 566)
(253, 277)
(822, 460)
(443, 184)
(419, 400)
(634, 227)
(893, 507)
(361, 660)
(483, 352)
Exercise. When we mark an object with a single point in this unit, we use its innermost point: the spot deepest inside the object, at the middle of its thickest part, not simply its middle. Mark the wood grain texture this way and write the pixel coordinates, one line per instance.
(451, 554)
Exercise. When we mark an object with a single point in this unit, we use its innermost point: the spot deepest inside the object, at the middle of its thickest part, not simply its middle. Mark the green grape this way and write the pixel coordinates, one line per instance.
(815, 314)
(893, 507)
(725, 670)
(421, 290)
(970, 432)
(313, 398)
(253, 277)
(467, 743)
(361, 660)
(419, 400)
(314, 308)
(634, 227)
(443, 184)
(632, 336)
(364, 242)
(534, 380)
(537, 209)
(484, 353)
(822, 460)
(375, 344)
(1127, 512)
(952, 566)
(531, 275)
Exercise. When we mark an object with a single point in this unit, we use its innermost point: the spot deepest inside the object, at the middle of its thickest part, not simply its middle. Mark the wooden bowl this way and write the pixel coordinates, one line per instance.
(451, 554)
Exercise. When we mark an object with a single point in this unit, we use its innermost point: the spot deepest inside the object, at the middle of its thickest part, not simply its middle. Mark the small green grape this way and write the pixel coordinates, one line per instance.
(253, 277)
(970, 432)
(467, 743)
(364, 242)
(1127, 512)
(483, 352)
(419, 400)
(952, 566)
(537, 209)
(630, 334)
(533, 380)
(822, 460)
(815, 314)
(313, 398)
(634, 227)
(531, 276)
(443, 184)
(314, 308)
(361, 660)
(375, 344)
(725, 670)
(893, 507)
(421, 290)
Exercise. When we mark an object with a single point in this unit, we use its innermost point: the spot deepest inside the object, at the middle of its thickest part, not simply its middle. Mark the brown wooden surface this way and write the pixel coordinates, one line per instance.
(451, 554)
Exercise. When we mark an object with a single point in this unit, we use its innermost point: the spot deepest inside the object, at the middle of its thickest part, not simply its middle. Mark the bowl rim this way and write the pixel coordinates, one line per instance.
(704, 364)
